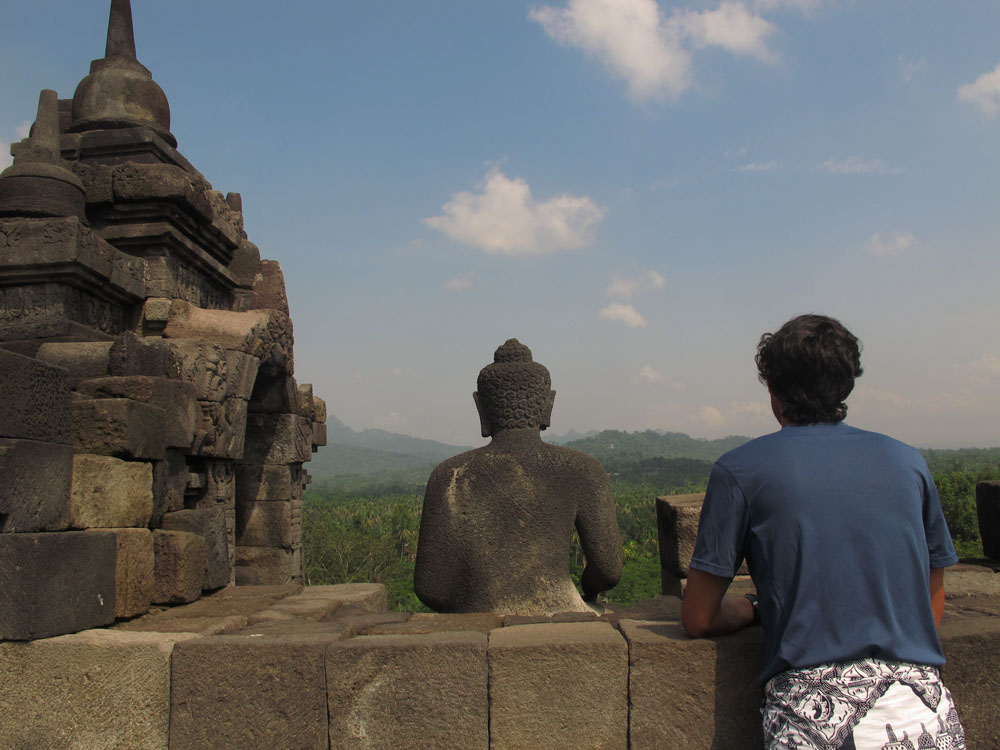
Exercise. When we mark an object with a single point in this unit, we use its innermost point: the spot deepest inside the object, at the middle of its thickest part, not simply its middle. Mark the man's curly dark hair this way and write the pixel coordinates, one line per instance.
(810, 364)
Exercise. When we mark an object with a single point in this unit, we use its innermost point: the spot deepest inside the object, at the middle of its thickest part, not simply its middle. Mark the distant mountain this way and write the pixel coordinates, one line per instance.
(375, 452)
(616, 449)
(569, 437)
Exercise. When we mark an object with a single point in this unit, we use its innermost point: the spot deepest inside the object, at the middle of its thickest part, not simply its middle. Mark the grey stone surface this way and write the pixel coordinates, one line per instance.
(691, 694)
(95, 690)
(170, 480)
(175, 398)
(133, 570)
(221, 430)
(215, 372)
(249, 690)
(210, 525)
(52, 584)
(118, 427)
(988, 511)
(135, 355)
(80, 359)
(274, 395)
(677, 527)
(271, 566)
(497, 521)
(264, 524)
(110, 493)
(277, 439)
(180, 562)
(269, 288)
(558, 685)
(36, 401)
(403, 691)
(35, 481)
(258, 482)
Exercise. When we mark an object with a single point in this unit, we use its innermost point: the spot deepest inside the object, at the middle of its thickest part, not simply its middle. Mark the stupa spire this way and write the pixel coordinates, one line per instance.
(121, 36)
(40, 183)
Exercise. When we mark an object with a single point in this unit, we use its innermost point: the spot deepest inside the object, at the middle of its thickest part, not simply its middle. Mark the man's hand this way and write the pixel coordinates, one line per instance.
(707, 611)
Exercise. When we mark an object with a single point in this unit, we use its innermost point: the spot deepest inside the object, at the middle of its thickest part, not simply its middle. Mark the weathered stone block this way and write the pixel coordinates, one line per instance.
(269, 288)
(221, 429)
(80, 359)
(99, 689)
(304, 405)
(210, 525)
(277, 439)
(264, 524)
(270, 566)
(135, 355)
(243, 691)
(693, 694)
(139, 182)
(256, 482)
(170, 480)
(988, 510)
(677, 519)
(176, 399)
(180, 561)
(246, 260)
(558, 685)
(320, 406)
(318, 434)
(274, 394)
(36, 401)
(397, 691)
(118, 427)
(216, 373)
(265, 334)
(52, 584)
(35, 481)
(110, 493)
(133, 570)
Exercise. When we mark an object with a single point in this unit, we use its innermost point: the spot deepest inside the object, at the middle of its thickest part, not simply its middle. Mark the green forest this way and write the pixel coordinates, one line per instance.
(363, 527)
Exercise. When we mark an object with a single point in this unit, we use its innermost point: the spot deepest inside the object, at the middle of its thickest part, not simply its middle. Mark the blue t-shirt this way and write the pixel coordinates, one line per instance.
(840, 528)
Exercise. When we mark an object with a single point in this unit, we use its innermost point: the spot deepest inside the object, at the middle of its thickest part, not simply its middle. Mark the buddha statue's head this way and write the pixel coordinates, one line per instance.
(514, 392)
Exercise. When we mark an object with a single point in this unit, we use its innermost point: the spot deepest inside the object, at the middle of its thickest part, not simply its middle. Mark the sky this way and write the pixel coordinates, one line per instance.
(637, 190)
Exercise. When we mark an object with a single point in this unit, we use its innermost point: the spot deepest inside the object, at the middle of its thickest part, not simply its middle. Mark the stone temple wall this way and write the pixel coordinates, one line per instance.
(152, 433)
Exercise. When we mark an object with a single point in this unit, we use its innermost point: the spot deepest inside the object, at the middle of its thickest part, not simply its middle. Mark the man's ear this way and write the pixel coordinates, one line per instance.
(484, 421)
(547, 410)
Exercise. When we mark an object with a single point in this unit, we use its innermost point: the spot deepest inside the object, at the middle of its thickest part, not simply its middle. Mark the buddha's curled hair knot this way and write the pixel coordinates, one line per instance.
(514, 389)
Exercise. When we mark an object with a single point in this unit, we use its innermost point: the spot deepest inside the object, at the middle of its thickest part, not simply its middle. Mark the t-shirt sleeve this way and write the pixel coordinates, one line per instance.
(939, 544)
(723, 525)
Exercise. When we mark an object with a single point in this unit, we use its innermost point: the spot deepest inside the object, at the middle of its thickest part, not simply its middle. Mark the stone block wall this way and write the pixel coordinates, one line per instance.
(147, 355)
(328, 667)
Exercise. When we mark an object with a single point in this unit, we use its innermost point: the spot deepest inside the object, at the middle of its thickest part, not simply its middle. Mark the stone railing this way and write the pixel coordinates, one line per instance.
(328, 667)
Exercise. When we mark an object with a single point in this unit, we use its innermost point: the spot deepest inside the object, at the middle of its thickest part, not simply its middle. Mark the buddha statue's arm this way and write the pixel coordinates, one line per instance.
(434, 571)
(597, 526)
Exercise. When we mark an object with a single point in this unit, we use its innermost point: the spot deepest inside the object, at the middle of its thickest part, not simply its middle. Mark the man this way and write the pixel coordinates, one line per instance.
(844, 537)
(498, 521)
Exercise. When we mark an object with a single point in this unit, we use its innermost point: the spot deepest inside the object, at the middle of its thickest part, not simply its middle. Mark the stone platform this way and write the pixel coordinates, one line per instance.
(329, 667)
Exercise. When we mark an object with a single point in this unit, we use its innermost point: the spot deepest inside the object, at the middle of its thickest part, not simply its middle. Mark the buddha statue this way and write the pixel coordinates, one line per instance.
(498, 521)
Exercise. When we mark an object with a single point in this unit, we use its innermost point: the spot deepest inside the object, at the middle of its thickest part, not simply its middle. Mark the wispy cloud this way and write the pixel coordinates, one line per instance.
(622, 313)
(895, 244)
(627, 286)
(757, 166)
(636, 41)
(908, 68)
(984, 92)
(649, 375)
(21, 131)
(505, 218)
(857, 165)
(806, 6)
(461, 283)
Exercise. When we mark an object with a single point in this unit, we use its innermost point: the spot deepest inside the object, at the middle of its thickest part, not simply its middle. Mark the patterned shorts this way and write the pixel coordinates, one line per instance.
(867, 704)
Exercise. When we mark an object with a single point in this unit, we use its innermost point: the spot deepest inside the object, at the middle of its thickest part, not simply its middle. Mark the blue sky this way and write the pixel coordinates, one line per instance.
(634, 190)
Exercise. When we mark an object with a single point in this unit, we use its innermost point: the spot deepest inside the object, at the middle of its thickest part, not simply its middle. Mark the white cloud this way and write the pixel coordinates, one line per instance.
(623, 313)
(857, 165)
(984, 92)
(707, 417)
(626, 286)
(637, 42)
(505, 218)
(983, 371)
(648, 374)
(21, 131)
(757, 166)
(908, 67)
(391, 421)
(753, 408)
(733, 27)
(805, 6)
(896, 244)
(460, 283)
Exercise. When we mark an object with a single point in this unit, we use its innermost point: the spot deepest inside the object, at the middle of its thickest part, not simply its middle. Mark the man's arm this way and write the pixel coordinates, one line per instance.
(707, 610)
(937, 594)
